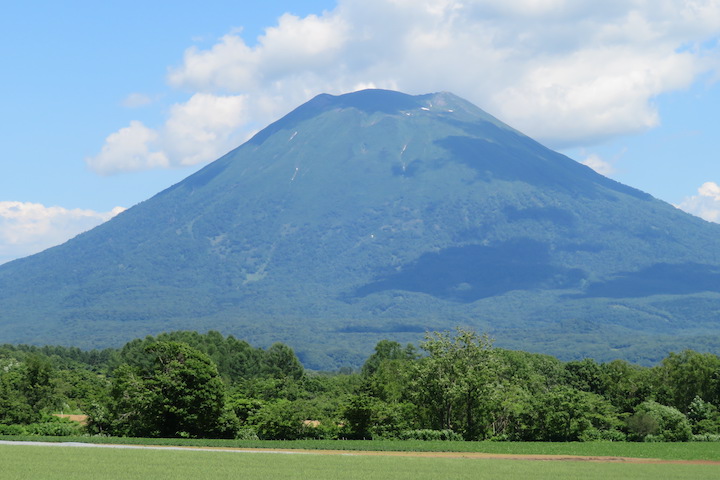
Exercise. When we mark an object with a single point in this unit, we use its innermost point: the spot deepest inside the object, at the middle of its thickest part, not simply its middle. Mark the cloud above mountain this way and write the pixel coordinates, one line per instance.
(599, 164)
(567, 72)
(706, 204)
(27, 228)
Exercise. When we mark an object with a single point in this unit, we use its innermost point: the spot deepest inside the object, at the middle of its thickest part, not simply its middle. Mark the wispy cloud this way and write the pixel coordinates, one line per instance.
(568, 72)
(136, 100)
(27, 228)
(599, 164)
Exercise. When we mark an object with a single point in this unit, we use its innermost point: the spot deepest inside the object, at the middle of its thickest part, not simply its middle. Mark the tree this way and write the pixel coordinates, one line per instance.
(14, 407)
(585, 375)
(703, 416)
(280, 361)
(37, 382)
(386, 371)
(358, 413)
(368, 417)
(565, 414)
(683, 376)
(280, 420)
(236, 360)
(641, 424)
(454, 384)
(385, 351)
(672, 425)
(180, 394)
(626, 385)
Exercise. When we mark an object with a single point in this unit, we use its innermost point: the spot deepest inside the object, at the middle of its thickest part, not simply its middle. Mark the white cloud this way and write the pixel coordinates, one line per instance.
(600, 165)
(128, 149)
(706, 204)
(310, 44)
(27, 228)
(567, 72)
(197, 131)
(203, 128)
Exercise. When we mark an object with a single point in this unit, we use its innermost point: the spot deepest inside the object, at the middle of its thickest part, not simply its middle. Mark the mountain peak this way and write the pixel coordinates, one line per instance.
(393, 102)
(369, 101)
(388, 102)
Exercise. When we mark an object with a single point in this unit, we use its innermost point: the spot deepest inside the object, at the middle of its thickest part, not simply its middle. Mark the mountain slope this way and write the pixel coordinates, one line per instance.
(380, 215)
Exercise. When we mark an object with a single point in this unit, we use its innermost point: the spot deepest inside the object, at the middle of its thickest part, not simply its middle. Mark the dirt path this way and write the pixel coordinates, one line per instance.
(497, 456)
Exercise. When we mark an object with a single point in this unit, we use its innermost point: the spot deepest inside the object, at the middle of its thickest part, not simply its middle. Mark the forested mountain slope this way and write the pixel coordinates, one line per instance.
(383, 215)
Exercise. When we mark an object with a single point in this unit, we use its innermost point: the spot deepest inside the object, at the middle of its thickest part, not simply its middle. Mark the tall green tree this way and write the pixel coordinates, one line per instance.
(386, 372)
(280, 361)
(386, 351)
(14, 407)
(683, 376)
(626, 385)
(180, 394)
(38, 382)
(455, 383)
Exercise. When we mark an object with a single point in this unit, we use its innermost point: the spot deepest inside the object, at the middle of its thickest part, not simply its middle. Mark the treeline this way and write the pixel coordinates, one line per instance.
(456, 385)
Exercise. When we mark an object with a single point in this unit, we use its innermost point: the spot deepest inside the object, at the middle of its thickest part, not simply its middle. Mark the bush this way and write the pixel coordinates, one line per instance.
(704, 417)
(672, 425)
(12, 430)
(593, 434)
(642, 424)
(279, 420)
(55, 429)
(246, 433)
(705, 438)
(564, 414)
(430, 435)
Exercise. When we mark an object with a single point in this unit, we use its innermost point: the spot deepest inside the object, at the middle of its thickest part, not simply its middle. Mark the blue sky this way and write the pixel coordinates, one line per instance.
(107, 103)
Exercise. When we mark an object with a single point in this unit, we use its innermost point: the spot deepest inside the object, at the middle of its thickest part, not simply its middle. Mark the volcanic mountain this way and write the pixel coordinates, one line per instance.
(378, 215)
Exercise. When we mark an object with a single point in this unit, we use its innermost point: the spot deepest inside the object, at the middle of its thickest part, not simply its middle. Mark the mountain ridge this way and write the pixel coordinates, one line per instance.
(374, 214)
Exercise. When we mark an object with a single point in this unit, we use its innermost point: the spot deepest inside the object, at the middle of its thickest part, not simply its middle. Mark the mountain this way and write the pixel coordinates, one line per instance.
(378, 215)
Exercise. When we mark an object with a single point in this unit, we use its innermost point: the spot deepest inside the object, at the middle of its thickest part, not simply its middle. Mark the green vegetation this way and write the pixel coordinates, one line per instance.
(649, 450)
(380, 215)
(456, 386)
(61, 463)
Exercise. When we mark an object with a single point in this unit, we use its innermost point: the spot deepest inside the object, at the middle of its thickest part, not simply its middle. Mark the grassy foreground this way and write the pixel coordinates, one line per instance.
(665, 451)
(21, 461)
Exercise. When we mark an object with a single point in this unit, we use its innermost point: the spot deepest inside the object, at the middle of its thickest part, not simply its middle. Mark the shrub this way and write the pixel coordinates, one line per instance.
(246, 433)
(12, 430)
(279, 420)
(642, 424)
(430, 435)
(55, 429)
(593, 434)
(706, 438)
(672, 425)
(704, 417)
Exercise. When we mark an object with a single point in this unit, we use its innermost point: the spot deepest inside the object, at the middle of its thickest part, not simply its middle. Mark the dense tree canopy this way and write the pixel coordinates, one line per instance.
(455, 385)
(180, 394)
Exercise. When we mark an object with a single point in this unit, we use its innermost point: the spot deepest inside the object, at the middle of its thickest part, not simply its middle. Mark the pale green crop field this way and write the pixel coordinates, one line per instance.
(65, 462)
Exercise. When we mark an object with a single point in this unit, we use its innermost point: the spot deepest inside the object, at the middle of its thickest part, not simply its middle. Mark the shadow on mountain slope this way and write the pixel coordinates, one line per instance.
(469, 273)
(658, 279)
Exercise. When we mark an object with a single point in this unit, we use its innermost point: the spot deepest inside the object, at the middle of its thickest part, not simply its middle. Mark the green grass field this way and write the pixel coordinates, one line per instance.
(21, 461)
(666, 451)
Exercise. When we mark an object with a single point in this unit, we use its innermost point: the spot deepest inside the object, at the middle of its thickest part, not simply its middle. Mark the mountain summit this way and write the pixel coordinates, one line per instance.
(375, 215)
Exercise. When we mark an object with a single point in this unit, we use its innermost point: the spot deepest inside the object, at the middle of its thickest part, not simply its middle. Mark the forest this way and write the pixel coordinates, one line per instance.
(455, 385)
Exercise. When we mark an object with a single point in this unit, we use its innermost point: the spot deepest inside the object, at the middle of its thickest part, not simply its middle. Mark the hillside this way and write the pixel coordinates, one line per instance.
(382, 215)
